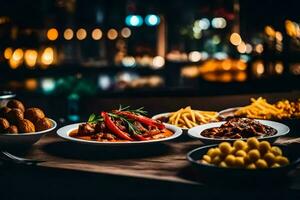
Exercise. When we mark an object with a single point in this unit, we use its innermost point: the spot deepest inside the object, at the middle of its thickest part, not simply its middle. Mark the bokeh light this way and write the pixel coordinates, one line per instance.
(8, 53)
(81, 34)
(235, 39)
(112, 34)
(30, 57)
(97, 34)
(52, 34)
(125, 32)
(68, 34)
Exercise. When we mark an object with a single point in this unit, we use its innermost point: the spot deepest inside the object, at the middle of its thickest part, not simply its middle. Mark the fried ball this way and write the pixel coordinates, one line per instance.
(26, 126)
(34, 114)
(241, 153)
(4, 124)
(223, 164)
(253, 155)
(4, 111)
(260, 163)
(276, 151)
(214, 152)
(216, 160)
(12, 129)
(240, 145)
(251, 166)
(252, 143)
(269, 157)
(15, 115)
(43, 124)
(264, 147)
(281, 160)
(225, 147)
(275, 165)
(230, 160)
(207, 158)
(16, 104)
(239, 162)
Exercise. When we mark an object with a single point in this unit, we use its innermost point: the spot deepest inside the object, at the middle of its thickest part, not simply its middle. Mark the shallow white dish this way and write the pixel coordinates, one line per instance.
(167, 114)
(24, 138)
(65, 131)
(196, 132)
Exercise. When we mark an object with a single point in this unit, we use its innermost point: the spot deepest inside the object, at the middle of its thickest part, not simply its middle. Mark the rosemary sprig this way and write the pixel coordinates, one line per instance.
(132, 128)
(93, 118)
(139, 111)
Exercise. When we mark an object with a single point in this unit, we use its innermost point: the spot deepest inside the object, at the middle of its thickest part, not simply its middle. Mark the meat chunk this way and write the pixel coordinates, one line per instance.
(86, 129)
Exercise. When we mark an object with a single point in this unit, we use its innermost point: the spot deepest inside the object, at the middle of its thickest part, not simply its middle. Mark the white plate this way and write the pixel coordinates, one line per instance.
(24, 138)
(65, 131)
(167, 114)
(229, 112)
(196, 132)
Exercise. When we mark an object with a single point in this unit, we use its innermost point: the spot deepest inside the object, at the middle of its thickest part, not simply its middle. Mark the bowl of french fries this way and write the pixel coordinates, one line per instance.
(186, 118)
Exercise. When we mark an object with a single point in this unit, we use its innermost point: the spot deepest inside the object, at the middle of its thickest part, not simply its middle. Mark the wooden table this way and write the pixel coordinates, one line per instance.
(155, 170)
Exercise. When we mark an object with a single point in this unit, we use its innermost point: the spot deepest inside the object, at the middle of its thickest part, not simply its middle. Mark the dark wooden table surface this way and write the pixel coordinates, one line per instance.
(148, 171)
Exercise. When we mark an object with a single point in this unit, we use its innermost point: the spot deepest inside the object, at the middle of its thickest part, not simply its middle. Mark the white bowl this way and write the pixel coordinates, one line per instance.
(24, 138)
(196, 132)
(65, 131)
(167, 114)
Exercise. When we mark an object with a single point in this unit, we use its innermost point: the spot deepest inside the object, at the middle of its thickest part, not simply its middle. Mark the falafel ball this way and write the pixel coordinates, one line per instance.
(4, 124)
(16, 104)
(34, 114)
(12, 129)
(4, 111)
(26, 126)
(43, 124)
(15, 115)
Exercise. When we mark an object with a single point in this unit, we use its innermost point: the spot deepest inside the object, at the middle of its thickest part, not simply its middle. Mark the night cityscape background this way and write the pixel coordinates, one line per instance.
(133, 47)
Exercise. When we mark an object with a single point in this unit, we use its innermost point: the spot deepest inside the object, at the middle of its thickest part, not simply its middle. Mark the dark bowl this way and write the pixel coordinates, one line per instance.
(208, 171)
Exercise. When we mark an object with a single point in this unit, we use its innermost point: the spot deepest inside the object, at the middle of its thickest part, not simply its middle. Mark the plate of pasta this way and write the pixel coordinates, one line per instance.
(187, 117)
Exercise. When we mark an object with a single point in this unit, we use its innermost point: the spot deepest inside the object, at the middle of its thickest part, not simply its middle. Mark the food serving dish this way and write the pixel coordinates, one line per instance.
(210, 170)
(120, 126)
(24, 139)
(65, 131)
(196, 132)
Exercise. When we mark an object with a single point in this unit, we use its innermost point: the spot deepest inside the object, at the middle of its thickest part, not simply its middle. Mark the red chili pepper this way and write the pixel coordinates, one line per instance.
(139, 137)
(142, 119)
(111, 126)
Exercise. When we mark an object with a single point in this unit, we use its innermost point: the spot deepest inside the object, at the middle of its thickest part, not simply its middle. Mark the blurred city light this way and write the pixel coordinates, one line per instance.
(259, 48)
(8, 53)
(194, 56)
(112, 34)
(81, 34)
(235, 39)
(96, 34)
(204, 23)
(128, 61)
(125, 32)
(152, 20)
(104, 82)
(16, 59)
(68, 34)
(48, 85)
(52, 34)
(279, 68)
(134, 20)
(220, 55)
(218, 22)
(47, 56)
(158, 62)
(242, 47)
(30, 57)
(248, 48)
